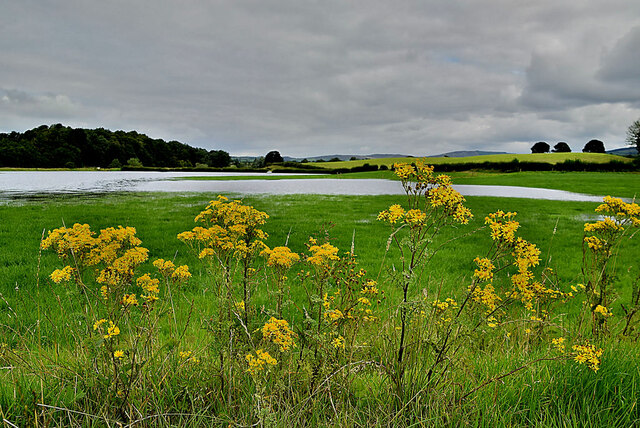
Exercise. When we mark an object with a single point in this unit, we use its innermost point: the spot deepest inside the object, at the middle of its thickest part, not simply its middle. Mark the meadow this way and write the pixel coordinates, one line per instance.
(202, 349)
(529, 157)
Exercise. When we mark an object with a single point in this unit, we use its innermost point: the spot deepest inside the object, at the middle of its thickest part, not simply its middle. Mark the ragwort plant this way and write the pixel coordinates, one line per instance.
(121, 312)
(281, 359)
(506, 298)
(432, 204)
(601, 244)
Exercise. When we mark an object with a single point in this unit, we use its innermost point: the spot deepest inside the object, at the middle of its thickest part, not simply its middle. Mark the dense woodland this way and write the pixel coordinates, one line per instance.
(59, 146)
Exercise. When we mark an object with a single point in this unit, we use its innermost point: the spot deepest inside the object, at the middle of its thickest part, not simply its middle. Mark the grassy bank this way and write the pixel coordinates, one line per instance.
(47, 362)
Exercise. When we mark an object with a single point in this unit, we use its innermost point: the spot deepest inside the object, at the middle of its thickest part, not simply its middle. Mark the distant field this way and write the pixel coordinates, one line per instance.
(538, 157)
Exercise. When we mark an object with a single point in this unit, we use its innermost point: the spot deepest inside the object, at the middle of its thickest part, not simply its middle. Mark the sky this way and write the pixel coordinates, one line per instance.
(319, 77)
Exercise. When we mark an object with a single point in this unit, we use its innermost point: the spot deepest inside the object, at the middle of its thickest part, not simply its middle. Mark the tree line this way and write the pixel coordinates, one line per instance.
(593, 146)
(59, 146)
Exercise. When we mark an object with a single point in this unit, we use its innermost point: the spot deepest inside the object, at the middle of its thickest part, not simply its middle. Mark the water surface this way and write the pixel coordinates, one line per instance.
(29, 184)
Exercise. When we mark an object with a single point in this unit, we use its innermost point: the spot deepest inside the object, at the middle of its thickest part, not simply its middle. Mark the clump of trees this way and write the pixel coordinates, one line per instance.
(59, 146)
(593, 146)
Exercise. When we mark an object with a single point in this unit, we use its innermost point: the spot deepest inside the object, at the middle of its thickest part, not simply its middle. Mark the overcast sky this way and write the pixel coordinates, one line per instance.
(322, 77)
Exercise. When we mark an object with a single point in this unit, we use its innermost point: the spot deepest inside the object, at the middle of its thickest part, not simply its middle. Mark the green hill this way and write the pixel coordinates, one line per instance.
(552, 158)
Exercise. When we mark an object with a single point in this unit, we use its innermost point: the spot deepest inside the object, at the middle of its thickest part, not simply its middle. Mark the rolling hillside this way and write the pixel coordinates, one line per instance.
(538, 157)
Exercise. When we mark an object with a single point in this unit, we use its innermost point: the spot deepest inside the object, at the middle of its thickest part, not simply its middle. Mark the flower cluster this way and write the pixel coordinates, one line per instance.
(485, 269)
(258, 361)
(525, 256)
(503, 227)
(112, 330)
(64, 274)
(278, 332)
(150, 286)
(280, 257)
(627, 212)
(587, 354)
(322, 255)
(232, 229)
(338, 342)
(392, 215)
(170, 271)
(443, 309)
(71, 242)
(604, 233)
(558, 344)
(187, 357)
(603, 311)
(115, 254)
(418, 180)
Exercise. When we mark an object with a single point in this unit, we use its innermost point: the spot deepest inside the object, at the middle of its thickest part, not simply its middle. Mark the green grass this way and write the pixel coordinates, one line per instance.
(619, 184)
(544, 394)
(530, 157)
(295, 216)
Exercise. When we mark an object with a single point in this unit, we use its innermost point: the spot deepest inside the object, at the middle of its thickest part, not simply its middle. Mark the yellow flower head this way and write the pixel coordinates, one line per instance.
(605, 312)
(60, 275)
(181, 273)
(559, 344)
(258, 361)
(338, 342)
(323, 255)
(129, 300)
(280, 257)
(587, 354)
(278, 332)
(392, 215)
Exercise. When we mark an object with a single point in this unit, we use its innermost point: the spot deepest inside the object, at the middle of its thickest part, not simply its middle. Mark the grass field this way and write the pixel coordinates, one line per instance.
(530, 157)
(38, 334)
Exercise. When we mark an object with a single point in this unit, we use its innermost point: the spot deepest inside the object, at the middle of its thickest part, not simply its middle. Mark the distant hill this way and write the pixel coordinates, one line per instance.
(344, 157)
(624, 151)
(454, 154)
(466, 153)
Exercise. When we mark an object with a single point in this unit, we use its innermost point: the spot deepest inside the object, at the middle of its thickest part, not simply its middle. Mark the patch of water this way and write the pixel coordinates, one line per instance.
(44, 184)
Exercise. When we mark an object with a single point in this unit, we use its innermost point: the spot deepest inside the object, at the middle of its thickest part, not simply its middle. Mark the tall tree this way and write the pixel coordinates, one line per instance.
(219, 158)
(633, 134)
(540, 147)
(561, 147)
(593, 146)
(273, 157)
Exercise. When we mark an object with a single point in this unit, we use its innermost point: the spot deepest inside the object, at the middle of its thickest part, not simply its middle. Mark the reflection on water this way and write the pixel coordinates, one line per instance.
(44, 184)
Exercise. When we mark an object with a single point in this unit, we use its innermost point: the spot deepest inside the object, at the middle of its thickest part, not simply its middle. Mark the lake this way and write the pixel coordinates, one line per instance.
(28, 184)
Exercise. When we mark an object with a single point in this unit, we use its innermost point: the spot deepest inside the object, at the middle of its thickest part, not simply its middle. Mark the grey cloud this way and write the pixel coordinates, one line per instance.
(37, 105)
(622, 64)
(249, 76)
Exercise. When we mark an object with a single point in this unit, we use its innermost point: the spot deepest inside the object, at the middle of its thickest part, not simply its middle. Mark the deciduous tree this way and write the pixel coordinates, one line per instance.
(594, 146)
(540, 147)
(633, 134)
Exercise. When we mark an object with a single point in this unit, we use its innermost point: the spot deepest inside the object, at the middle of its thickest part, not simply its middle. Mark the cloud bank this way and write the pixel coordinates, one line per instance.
(310, 78)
